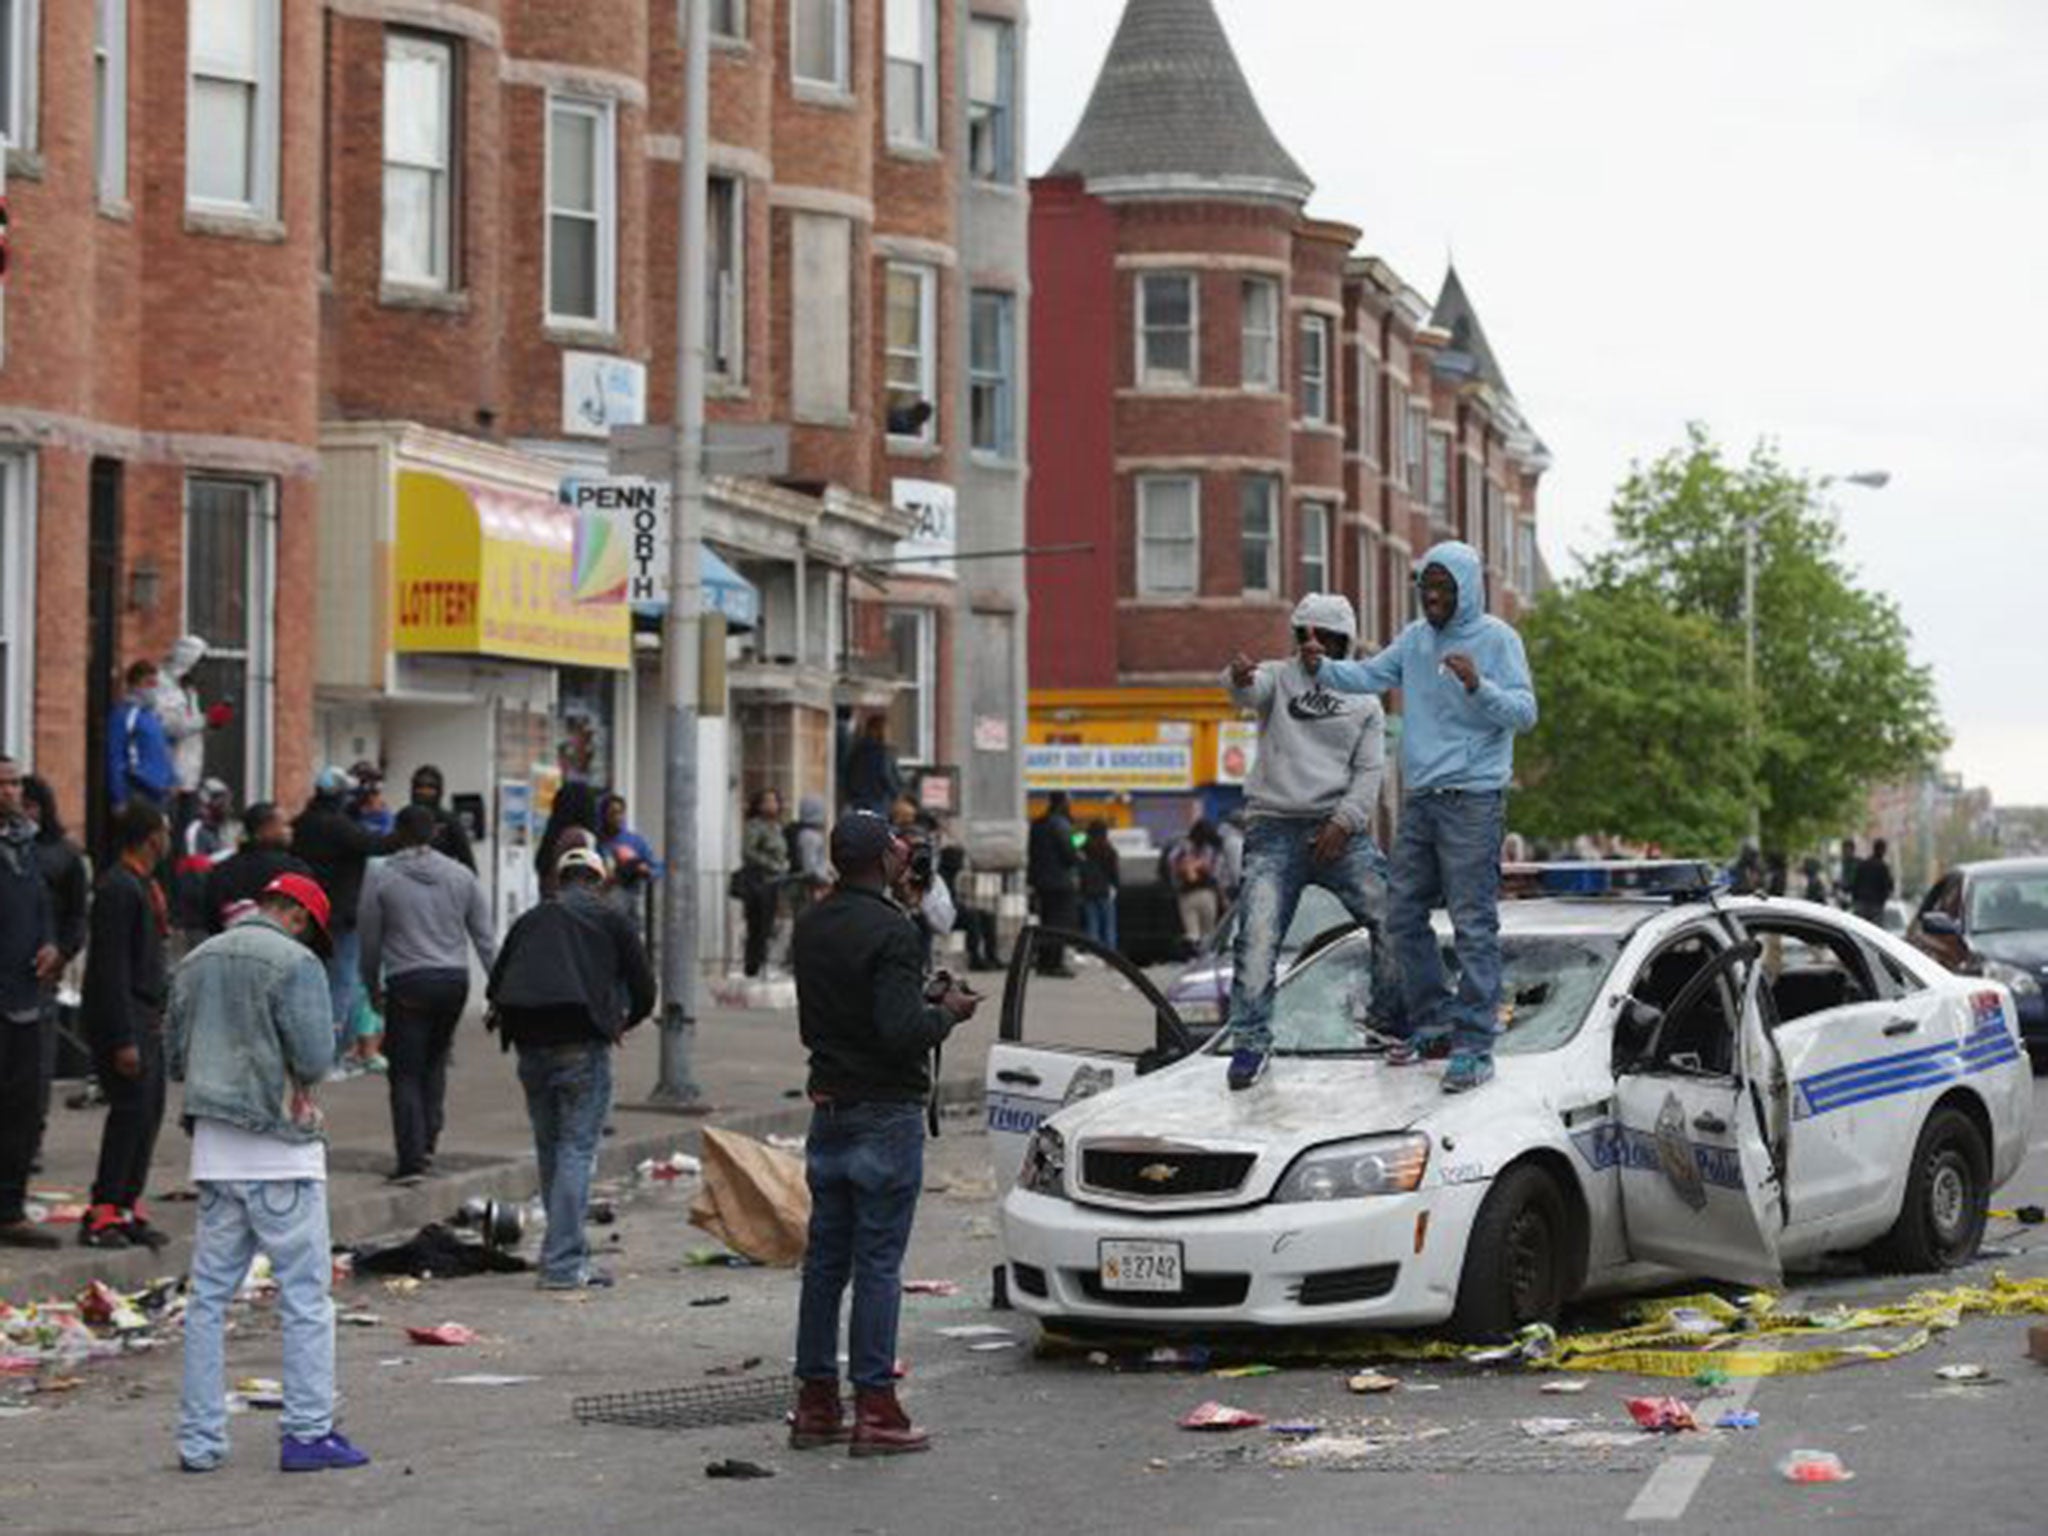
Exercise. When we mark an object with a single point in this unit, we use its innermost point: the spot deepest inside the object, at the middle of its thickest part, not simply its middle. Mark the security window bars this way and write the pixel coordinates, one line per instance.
(230, 597)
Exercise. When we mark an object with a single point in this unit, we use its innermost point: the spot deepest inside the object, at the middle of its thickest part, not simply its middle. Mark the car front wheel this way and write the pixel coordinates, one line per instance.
(1947, 1198)
(1518, 1260)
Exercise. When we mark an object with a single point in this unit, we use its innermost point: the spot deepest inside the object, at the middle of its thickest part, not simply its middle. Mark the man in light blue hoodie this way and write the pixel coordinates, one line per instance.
(1466, 694)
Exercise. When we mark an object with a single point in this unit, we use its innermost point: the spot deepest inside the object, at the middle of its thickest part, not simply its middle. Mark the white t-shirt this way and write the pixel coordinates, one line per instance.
(230, 1155)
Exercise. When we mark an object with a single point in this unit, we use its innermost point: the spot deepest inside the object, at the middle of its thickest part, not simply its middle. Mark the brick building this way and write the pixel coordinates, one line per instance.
(1247, 411)
(316, 302)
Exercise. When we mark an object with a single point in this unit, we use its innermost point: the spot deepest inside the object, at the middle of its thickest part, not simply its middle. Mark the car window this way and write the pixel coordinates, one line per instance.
(1701, 1040)
(2015, 903)
(1809, 970)
(1904, 982)
(1948, 897)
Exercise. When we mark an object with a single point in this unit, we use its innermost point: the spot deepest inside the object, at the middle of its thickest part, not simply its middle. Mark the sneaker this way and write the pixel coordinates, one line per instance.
(1468, 1069)
(1247, 1066)
(375, 1063)
(1407, 1052)
(26, 1234)
(330, 1453)
(210, 1464)
(105, 1226)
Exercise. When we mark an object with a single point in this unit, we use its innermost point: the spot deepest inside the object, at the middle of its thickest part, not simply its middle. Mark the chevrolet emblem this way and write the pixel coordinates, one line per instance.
(1159, 1173)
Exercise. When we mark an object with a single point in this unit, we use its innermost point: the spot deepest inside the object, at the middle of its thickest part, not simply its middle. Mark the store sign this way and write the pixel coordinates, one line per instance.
(930, 548)
(1237, 751)
(1109, 767)
(622, 539)
(600, 392)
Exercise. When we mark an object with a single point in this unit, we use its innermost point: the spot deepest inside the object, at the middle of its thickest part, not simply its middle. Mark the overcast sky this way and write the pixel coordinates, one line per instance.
(1822, 221)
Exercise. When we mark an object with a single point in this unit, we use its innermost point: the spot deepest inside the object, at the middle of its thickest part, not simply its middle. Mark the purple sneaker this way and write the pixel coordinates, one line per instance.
(1247, 1066)
(330, 1453)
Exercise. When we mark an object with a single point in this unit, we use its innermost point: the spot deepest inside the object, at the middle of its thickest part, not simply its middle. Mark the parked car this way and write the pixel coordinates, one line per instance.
(1711, 1087)
(1200, 993)
(1991, 919)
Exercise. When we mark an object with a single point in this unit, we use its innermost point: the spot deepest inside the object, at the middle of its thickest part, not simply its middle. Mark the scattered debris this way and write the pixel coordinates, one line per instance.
(931, 1288)
(1220, 1416)
(1710, 1377)
(485, 1379)
(1194, 1357)
(1297, 1429)
(975, 1331)
(1739, 1418)
(1566, 1387)
(666, 1170)
(1963, 1373)
(735, 1367)
(447, 1335)
(603, 1213)
(740, 1471)
(1548, 1429)
(717, 1258)
(359, 1319)
(1661, 1415)
(754, 1200)
(786, 1143)
(404, 1285)
(1241, 1372)
(1367, 1382)
(989, 1346)
(259, 1392)
(1813, 1467)
(711, 1301)
(436, 1252)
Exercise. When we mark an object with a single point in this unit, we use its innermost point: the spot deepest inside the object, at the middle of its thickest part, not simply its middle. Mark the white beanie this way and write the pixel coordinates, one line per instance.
(1327, 610)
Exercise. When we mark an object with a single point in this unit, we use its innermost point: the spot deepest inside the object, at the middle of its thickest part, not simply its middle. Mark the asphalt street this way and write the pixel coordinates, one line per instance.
(1024, 1442)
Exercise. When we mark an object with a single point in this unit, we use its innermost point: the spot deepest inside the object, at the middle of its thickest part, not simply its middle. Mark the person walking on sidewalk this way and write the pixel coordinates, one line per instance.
(1873, 885)
(1312, 795)
(763, 872)
(450, 837)
(1101, 883)
(1052, 869)
(249, 1037)
(123, 1014)
(1465, 695)
(871, 1029)
(338, 847)
(28, 960)
(555, 995)
(421, 914)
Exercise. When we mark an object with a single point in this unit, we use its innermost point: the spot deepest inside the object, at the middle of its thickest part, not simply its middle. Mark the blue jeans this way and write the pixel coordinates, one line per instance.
(865, 1166)
(1098, 919)
(1447, 854)
(344, 981)
(1279, 862)
(568, 1095)
(286, 1219)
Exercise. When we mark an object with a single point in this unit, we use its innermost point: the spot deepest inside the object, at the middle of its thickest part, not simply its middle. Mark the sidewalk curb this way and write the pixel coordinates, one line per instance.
(375, 1213)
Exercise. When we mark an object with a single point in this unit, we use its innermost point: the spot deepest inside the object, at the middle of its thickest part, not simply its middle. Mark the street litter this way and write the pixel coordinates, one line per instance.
(1195, 1357)
(931, 1288)
(404, 1285)
(1298, 1430)
(735, 1367)
(484, 1379)
(710, 1301)
(754, 1199)
(1366, 1382)
(677, 1165)
(737, 1470)
(1548, 1429)
(447, 1334)
(1214, 1415)
(1710, 1377)
(990, 1346)
(1963, 1373)
(436, 1252)
(975, 1331)
(359, 1319)
(2026, 1215)
(1240, 1372)
(260, 1392)
(717, 1258)
(1739, 1418)
(786, 1143)
(1814, 1467)
(1565, 1388)
(97, 1324)
(1661, 1415)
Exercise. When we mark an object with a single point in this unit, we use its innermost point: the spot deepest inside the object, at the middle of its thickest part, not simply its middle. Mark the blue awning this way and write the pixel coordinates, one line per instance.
(726, 592)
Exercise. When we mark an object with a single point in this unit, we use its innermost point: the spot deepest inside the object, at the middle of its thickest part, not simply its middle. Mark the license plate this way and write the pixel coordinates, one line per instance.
(1133, 1266)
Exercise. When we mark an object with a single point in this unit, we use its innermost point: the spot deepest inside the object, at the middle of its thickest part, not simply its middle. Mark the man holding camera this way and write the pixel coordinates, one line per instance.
(871, 1025)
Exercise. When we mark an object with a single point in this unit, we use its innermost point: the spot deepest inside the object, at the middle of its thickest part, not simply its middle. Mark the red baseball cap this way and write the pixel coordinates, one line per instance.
(307, 893)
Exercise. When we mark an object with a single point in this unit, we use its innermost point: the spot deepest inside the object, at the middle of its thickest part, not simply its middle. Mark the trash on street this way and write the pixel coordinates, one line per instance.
(1220, 1416)
(754, 1199)
(739, 1471)
(1368, 1382)
(1661, 1415)
(1566, 1387)
(1963, 1373)
(1813, 1467)
(931, 1288)
(445, 1334)
(1739, 1418)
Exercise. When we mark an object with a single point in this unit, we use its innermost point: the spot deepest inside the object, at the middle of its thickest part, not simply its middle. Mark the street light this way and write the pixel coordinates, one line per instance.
(1866, 479)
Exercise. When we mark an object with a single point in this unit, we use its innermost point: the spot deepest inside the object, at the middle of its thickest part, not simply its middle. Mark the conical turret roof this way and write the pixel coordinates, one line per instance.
(1172, 113)
(1469, 352)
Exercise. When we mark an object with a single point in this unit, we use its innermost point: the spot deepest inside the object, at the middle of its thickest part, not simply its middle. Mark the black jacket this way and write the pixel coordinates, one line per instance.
(860, 1000)
(241, 877)
(26, 923)
(70, 887)
(338, 847)
(125, 982)
(449, 838)
(1053, 858)
(575, 953)
(1873, 887)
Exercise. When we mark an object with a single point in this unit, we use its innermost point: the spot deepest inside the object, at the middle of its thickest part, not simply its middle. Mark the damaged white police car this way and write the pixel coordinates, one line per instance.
(1688, 1084)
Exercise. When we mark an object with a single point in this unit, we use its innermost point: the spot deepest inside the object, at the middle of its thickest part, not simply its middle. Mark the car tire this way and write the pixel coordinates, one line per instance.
(1518, 1261)
(1948, 1195)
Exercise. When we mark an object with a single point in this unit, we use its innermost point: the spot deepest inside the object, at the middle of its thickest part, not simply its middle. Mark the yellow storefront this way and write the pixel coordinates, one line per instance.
(1150, 757)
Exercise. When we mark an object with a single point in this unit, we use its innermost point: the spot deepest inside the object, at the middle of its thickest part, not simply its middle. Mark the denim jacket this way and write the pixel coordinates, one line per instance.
(251, 1029)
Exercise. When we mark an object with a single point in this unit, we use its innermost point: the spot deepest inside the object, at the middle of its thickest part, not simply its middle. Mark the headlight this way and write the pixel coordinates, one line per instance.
(2022, 982)
(1351, 1170)
(1045, 1163)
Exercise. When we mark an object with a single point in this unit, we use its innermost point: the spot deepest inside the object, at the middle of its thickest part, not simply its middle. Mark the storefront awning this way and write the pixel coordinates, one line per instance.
(489, 571)
(726, 591)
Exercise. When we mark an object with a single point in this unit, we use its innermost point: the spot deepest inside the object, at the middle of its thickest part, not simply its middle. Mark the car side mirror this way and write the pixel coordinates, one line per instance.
(1940, 925)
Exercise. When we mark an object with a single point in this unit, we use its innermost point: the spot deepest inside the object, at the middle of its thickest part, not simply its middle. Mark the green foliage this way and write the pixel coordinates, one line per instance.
(1840, 704)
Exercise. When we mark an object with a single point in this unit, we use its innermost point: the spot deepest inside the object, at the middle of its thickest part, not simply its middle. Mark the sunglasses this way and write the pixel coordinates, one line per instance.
(1328, 639)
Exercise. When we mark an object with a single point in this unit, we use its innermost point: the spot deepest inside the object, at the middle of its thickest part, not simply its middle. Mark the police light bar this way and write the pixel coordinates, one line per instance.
(1677, 879)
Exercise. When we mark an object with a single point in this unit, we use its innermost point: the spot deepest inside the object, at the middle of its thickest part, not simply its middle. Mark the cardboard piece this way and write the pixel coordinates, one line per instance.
(754, 1199)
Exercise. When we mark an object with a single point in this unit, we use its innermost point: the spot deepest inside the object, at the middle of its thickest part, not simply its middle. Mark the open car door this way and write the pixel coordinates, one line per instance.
(1699, 1185)
(1061, 1040)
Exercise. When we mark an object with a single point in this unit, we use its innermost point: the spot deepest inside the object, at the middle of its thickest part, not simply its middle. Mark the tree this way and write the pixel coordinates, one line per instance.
(1643, 730)
(1841, 705)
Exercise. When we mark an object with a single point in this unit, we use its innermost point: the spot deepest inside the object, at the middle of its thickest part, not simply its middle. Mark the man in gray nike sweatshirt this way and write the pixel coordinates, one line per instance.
(421, 914)
(1311, 799)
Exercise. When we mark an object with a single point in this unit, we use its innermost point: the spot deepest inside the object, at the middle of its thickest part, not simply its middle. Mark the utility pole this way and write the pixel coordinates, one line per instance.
(682, 634)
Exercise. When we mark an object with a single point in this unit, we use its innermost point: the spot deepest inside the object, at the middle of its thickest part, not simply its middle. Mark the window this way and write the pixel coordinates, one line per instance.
(817, 42)
(1315, 546)
(1169, 536)
(992, 373)
(231, 111)
(110, 99)
(1417, 448)
(1395, 461)
(1314, 342)
(580, 212)
(1440, 478)
(821, 311)
(419, 161)
(725, 337)
(729, 19)
(1369, 405)
(1369, 560)
(913, 44)
(230, 591)
(992, 101)
(17, 603)
(911, 364)
(1525, 560)
(1259, 533)
(18, 55)
(1261, 328)
(1166, 330)
(913, 647)
(1475, 506)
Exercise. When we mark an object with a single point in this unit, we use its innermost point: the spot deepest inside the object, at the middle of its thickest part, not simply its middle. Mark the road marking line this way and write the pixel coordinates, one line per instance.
(1670, 1488)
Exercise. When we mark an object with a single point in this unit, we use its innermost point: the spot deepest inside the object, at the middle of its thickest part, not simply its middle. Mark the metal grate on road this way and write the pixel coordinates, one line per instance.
(700, 1407)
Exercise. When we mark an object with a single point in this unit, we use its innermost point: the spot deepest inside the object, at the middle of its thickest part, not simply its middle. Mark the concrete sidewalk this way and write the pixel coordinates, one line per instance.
(750, 1065)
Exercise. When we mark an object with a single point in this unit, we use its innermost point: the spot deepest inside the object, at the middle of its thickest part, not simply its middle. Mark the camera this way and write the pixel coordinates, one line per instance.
(922, 863)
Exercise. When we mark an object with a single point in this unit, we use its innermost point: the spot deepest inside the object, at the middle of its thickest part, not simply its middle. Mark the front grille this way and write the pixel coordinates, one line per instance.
(1196, 1291)
(1334, 1287)
(1163, 1173)
(1030, 1279)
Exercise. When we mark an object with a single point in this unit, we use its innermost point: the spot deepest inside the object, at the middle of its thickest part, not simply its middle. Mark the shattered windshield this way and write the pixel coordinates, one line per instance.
(1548, 982)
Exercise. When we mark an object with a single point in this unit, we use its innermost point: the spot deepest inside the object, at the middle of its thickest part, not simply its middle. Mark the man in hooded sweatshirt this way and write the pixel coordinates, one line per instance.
(1466, 694)
(419, 916)
(1311, 796)
(185, 723)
